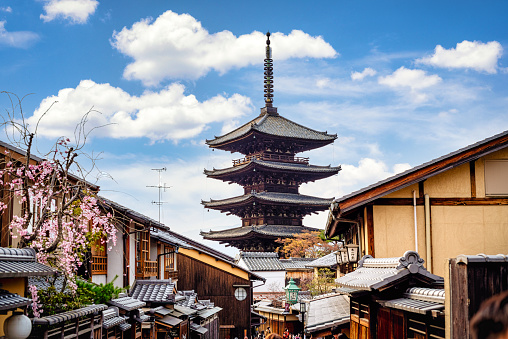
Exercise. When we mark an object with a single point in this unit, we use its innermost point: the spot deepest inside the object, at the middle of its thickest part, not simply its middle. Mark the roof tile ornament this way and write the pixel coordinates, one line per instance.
(268, 73)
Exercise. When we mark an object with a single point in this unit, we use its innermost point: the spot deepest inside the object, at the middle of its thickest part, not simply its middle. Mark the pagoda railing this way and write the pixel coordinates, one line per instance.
(272, 157)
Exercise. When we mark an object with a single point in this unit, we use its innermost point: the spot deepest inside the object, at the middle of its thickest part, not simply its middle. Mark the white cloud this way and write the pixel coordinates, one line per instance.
(165, 115)
(176, 46)
(468, 54)
(7, 9)
(361, 75)
(76, 11)
(21, 39)
(413, 79)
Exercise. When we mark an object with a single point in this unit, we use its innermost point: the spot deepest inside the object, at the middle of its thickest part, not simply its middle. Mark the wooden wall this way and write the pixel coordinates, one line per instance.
(468, 286)
(212, 283)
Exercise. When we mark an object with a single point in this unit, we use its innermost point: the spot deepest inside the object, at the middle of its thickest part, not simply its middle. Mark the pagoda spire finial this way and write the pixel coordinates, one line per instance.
(268, 73)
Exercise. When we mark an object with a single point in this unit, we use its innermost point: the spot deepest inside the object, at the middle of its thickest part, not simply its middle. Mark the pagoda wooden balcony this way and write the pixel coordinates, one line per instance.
(271, 157)
(146, 269)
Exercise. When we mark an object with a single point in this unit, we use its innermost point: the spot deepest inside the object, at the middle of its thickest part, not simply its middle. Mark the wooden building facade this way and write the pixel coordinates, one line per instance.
(462, 196)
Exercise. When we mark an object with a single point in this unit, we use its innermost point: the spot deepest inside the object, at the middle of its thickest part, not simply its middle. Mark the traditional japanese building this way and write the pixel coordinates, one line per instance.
(271, 174)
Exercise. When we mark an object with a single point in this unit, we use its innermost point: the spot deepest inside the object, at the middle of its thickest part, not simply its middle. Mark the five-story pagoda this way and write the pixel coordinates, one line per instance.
(270, 174)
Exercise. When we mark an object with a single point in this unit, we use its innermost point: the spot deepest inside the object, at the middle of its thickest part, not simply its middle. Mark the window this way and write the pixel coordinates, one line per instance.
(240, 294)
(496, 177)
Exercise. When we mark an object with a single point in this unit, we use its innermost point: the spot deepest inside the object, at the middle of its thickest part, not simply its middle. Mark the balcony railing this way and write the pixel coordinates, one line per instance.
(170, 274)
(146, 269)
(99, 264)
(272, 157)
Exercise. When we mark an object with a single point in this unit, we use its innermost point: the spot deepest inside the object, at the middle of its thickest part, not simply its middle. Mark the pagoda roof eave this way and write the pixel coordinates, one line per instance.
(283, 166)
(273, 125)
(265, 231)
(271, 198)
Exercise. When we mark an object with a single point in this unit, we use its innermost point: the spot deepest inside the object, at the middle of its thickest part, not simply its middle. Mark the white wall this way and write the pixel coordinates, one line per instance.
(115, 261)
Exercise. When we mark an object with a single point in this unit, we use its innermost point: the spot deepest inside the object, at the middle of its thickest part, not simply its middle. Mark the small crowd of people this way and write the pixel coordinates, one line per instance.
(268, 334)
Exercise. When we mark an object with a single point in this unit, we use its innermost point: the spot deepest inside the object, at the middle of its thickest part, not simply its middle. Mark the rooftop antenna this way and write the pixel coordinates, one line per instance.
(160, 187)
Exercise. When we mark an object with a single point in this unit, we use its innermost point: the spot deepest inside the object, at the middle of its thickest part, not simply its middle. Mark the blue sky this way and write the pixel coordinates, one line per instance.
(400, 83)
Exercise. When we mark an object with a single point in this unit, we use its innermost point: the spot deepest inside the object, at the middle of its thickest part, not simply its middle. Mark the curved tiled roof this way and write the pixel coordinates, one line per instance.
(328, 260)
(275, 125)
(296, 263)
(21, 262)
(285, 166)
(271, 197)
(262, 261)
(267, 230)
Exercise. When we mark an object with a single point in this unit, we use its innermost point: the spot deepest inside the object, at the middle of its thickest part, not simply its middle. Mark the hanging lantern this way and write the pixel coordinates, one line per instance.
(339, 257)
(17, 326)
(292, 292)
(343, 254)
(352, 252)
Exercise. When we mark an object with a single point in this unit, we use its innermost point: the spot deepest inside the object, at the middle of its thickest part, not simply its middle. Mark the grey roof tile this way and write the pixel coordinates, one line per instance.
(296, 263)
(272, 197)
(326, 312)
(373, 274)
(262, 261)
(279, 231)
(329, 260)
(275, 125)
(275, 165)
(412, 305)
(153, 291)
(70, 315)
(11, 301)
(21, 262)
(127, 303)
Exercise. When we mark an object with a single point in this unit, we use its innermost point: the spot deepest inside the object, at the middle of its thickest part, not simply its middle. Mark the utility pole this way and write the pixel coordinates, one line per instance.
(160, 187)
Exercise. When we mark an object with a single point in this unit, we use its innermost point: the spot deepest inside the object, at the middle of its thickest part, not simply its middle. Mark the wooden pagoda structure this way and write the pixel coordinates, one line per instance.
(271, 174)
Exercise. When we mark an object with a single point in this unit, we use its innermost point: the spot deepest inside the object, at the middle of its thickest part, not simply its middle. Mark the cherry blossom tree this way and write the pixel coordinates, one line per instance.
(60, 214)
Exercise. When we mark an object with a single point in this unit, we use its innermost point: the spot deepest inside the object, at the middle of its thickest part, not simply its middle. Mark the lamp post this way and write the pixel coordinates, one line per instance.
(303, 306)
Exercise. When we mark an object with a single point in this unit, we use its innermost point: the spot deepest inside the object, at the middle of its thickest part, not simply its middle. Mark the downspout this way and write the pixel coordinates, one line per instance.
(416, 224)
(428, 240)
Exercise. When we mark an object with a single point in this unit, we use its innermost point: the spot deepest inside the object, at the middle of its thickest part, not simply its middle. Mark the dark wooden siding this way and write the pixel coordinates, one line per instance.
(212, 283)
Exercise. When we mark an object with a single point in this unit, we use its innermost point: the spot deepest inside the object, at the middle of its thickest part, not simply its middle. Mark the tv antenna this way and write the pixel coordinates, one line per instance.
(160, 187)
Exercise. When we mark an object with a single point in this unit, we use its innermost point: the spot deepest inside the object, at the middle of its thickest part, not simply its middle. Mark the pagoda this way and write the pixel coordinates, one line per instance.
(271, 174)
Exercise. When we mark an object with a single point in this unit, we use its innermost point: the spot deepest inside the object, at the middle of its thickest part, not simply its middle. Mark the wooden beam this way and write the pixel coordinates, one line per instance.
(472, 176)
(369, 223)
(443, 201)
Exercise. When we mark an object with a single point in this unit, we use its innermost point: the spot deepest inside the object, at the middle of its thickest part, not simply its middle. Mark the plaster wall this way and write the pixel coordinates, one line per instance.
(405, 192)
(100, 278)
(13, 285)
(467, 230)
(454, 183)
(394, 230)
(132, 259)
(115, 261)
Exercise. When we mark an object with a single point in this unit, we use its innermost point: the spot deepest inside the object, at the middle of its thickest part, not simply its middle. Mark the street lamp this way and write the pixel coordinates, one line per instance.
(292, 292)
(352, 252)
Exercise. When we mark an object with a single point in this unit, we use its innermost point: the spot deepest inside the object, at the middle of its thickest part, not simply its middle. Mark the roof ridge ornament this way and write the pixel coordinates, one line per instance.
(268, 82)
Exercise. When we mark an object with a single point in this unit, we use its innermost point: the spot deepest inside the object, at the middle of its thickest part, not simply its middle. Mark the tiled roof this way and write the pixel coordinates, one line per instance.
(295, 263)
(373, 274)
(262, 261)
(166, 237)
(127, 303)
(482, 147)
(419, 300)
(11, 301)
(157, 291)
(111, 318)
(168, 320)
(272, 197)
(70, 315)
(295, 167)
(21, 262)
(208, 312)
(466, 259)
(327, 312)
(278, 231)
(275, 125)
(328, 260)
(197, 328)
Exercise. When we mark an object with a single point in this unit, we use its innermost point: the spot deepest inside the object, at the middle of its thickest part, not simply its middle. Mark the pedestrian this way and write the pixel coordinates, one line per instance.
(273, 336)
(491, 320)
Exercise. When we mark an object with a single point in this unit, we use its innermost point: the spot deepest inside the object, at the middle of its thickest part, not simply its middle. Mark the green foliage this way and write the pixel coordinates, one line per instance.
(323, 283)
(87, 293)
